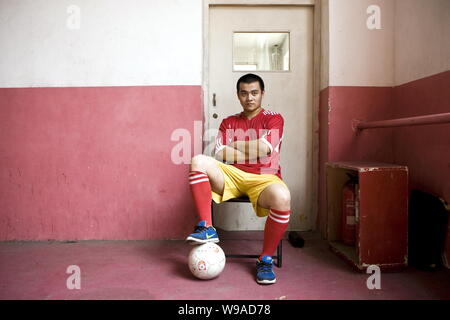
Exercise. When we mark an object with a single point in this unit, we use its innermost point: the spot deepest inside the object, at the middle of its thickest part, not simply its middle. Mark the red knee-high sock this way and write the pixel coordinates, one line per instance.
(276, 225)
(201, 192)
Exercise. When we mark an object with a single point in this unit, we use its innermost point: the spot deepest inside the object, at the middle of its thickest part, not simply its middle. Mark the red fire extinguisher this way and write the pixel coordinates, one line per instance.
(349, 207)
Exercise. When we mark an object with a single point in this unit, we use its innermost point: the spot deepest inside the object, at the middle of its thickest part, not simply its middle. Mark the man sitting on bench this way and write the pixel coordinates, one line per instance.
(250, 142)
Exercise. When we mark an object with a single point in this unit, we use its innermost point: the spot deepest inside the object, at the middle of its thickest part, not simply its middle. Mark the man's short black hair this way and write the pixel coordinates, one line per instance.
(249, 78)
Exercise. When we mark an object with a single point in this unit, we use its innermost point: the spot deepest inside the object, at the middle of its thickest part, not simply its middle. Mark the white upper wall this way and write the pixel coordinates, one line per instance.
(118, 43)
(359, 56)
(422, 39)
(159, 42)
(413, 42)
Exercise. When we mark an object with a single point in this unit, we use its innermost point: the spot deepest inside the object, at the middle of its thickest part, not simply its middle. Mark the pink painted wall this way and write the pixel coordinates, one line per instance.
(368, 103)
(425, 149)
(339, 105)
(94, 162)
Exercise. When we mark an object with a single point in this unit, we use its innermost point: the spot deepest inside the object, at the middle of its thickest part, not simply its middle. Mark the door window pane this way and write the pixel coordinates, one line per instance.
(261, 51)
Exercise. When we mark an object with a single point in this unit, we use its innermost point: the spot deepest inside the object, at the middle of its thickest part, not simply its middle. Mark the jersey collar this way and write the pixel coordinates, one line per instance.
(242, 115)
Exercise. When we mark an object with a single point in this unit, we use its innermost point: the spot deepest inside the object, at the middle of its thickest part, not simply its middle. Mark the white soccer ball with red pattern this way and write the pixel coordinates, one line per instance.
(206, 261)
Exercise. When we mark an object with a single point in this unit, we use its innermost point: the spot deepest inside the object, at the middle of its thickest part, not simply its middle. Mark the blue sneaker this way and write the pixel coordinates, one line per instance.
(203, 234)
(264, 271)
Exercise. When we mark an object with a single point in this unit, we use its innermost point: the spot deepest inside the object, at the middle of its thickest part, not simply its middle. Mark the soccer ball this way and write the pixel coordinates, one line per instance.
(206, 261)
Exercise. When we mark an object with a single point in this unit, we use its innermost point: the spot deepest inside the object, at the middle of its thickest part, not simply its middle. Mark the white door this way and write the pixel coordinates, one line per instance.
(289, 91)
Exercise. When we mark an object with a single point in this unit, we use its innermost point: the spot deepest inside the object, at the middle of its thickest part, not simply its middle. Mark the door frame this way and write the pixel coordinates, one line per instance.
(316, 5)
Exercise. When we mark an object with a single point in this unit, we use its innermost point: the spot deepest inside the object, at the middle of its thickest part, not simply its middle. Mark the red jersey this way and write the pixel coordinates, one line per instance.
(267, 126)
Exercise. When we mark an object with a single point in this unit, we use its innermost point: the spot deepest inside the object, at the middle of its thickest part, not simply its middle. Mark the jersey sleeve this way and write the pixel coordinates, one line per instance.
(274, 134)
(221, 137)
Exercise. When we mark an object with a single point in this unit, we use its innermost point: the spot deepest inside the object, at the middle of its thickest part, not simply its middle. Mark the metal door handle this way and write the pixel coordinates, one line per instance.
(214, 100)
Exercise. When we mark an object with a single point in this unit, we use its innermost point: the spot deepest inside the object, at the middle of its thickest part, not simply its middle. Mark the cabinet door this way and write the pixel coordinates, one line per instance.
(383, 220)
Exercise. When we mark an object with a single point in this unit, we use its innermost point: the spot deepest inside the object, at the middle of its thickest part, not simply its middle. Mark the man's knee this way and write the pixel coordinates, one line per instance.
(201, 161)
(283, 197)
(276, 196)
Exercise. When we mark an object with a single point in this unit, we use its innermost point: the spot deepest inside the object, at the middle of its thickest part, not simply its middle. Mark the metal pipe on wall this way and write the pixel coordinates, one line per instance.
(402, 122)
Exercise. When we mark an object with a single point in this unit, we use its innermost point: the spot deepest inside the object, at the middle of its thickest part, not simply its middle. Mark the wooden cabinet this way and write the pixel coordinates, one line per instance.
(381, 214)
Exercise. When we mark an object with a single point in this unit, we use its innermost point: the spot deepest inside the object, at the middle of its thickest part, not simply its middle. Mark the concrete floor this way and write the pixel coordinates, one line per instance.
(158, 270)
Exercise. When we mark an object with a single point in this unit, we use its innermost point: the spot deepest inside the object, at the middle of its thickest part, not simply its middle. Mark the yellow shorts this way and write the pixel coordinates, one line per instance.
(239, 183)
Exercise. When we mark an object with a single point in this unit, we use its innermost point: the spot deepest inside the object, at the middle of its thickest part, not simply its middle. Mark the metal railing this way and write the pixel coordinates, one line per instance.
(402, 122)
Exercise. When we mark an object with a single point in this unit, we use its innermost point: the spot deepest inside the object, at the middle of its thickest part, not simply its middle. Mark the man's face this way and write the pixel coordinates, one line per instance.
(250, 96)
